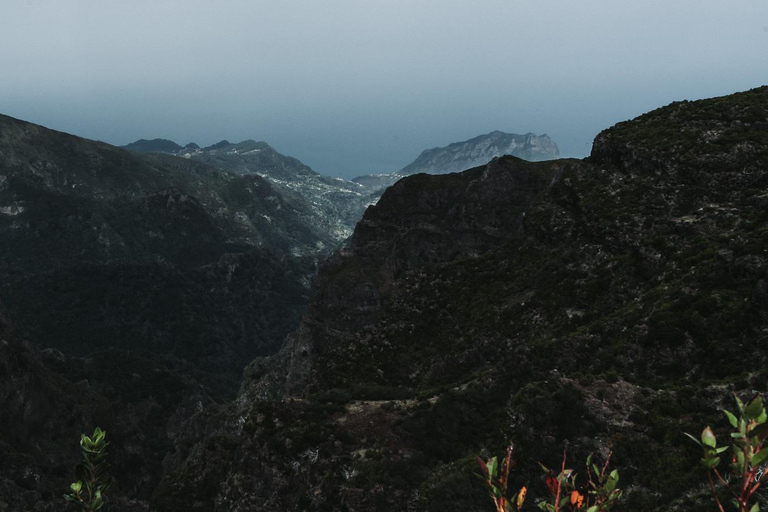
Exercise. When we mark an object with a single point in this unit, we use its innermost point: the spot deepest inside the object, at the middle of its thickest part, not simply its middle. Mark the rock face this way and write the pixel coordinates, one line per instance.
(470, 153)
(334, 205)
(610, 302)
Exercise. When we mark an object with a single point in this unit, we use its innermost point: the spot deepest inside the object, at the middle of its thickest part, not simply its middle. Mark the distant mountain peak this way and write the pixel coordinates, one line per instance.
(459, 156)
(479, 150)
(219, 145)
(153, 146)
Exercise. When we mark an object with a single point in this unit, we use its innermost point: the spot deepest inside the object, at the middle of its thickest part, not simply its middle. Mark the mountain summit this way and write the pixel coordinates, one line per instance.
(460, 156)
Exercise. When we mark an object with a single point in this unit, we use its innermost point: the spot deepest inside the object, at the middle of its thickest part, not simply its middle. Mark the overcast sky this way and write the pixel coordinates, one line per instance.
(357, 86)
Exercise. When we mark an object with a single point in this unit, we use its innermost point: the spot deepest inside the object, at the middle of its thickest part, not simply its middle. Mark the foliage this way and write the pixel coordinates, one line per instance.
(496, 478)
(93, 481)
(599, 494)
(748, 462)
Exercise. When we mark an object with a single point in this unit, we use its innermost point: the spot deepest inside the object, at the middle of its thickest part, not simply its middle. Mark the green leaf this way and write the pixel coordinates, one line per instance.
(708, 438)
(755, 508)
(754, 408)
(731, 419)
(759, 457)
(593, 508)
(721, 450)
(739, 403)
(710, 462)
(740, 459)
(684, 433)
(492, 467)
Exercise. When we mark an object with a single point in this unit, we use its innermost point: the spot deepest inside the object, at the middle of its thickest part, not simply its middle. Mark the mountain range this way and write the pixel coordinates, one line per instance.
(606, 304)
(334, 205)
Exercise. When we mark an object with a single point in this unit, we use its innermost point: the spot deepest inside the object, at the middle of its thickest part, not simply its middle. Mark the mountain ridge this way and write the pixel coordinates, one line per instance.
(612, 306)
(336, 204)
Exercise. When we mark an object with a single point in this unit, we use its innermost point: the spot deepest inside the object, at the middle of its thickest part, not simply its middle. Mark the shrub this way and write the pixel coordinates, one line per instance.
(747, 465)
(88, 492)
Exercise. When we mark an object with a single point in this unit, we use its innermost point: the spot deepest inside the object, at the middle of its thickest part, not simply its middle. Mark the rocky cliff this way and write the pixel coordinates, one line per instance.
(609, 302)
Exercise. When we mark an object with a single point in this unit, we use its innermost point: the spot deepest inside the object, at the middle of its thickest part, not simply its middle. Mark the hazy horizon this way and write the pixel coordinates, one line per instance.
(352, 88)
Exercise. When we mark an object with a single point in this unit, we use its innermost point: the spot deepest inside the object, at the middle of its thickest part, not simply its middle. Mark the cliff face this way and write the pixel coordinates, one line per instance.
(610, 302)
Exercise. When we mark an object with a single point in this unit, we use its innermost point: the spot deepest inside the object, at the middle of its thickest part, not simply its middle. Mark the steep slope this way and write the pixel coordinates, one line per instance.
(609, 302)
(335, 205)
(107, 248)
(48, 399)
(470, 153)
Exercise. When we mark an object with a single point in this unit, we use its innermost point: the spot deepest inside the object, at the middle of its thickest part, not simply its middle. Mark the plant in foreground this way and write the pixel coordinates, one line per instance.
(92, 481)
(748, 458)
(598, 495)
(496, 479)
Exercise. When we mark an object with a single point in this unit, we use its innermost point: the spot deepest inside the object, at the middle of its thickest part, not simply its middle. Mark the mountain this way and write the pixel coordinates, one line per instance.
(609, 304)
(479, 150)
(105, 248)
(154, 146)
(335, 205)
(470, 153)
(140, 286)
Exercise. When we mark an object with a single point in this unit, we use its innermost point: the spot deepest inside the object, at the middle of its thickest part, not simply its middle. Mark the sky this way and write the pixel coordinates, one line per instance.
(353, 87)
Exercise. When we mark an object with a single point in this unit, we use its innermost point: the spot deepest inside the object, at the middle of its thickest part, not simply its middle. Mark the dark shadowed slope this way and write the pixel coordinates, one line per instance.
(610, 302)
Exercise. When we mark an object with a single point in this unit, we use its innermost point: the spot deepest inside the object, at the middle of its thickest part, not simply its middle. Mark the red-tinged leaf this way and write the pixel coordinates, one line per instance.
(577, 499)
(484, 467)
(521, 497)
(552, 484)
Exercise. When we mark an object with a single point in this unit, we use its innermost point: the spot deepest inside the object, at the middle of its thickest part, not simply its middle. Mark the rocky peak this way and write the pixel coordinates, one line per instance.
(460, 156)
(478, 150)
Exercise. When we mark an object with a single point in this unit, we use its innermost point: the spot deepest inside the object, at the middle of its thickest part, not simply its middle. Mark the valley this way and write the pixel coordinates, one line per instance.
(255, 336)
